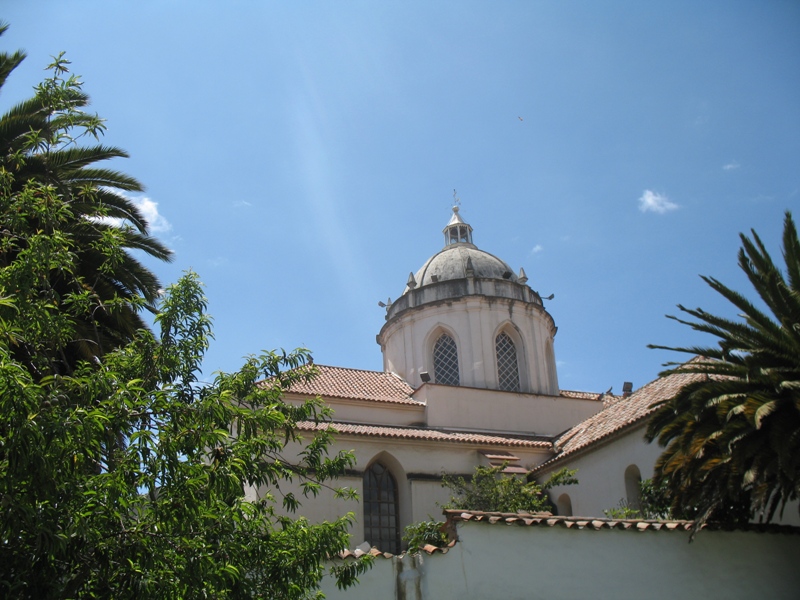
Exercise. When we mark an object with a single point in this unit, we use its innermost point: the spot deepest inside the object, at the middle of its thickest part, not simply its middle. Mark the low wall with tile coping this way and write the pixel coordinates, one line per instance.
(574, 558)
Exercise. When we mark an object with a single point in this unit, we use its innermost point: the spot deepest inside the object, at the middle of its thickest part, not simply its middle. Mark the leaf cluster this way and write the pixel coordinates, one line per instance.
(125, 475)
(732, 433)
(54, 191)
(653, 503)
(490, 490)
(134, 480)
(425, 533)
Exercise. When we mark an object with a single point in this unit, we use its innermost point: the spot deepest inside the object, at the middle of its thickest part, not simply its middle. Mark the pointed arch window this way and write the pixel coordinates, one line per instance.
(380, 509)
(507, 368)
(445, 361)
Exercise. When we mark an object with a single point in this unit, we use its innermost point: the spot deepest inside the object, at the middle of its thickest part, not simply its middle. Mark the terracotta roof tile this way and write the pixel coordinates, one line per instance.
(427, 548)
(583, 395)
(426, 433)
(546, 519)
(617, 416)
(340, 382)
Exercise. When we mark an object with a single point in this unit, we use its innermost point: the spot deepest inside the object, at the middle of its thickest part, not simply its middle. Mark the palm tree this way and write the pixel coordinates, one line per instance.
(732, 436)
(40, 144)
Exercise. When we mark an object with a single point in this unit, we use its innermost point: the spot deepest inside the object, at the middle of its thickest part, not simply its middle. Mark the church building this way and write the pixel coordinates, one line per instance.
(470, 379)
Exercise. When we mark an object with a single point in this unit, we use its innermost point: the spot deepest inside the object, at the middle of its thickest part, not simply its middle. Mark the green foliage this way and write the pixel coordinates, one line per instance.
(129, 480)
(54, 193)
(124, 476)
(490, 490)
(424, 533)
(653, 503)
(732, 434)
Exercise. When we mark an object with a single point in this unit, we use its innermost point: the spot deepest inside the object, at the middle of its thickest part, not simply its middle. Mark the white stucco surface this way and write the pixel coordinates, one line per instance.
(601, 473)
(492, 410)
(520, 562)
(416, 467)
(473, 322)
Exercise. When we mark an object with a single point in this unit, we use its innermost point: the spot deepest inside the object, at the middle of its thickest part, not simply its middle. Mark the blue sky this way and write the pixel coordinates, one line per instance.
(302, 156)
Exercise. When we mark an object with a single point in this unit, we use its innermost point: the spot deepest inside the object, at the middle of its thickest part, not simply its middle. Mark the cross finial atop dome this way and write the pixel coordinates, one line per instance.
(457, 231)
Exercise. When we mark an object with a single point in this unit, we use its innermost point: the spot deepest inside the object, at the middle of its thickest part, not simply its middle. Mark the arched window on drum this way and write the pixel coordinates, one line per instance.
(445, 361)
(507, 366)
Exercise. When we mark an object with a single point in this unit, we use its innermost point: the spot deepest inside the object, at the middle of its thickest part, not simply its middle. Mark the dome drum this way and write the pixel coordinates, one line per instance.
(495, 328)
(459, 288)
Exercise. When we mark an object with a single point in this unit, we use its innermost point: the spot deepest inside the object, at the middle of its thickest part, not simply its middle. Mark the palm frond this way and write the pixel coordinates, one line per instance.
(732, 435)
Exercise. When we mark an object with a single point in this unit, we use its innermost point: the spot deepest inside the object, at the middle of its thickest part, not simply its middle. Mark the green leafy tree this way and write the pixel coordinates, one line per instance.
(125, 476)
(653, 503)
(164, 514)
(487, 490)
(490, 490)
(42, 141)
(732, 435)
(425, 533)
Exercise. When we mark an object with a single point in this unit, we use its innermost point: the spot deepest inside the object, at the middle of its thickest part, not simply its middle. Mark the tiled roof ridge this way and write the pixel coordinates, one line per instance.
(355, 384)
(547, 519)
(338, 368)
(586, 395)
(435, 433)
(616, 418)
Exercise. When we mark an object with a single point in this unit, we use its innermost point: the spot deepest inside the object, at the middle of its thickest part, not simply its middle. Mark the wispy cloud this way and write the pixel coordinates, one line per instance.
(149, 209)
(217, 261)
(156, 222)
(536, 249)
(731, 166)
(241, 203)
(651, 201)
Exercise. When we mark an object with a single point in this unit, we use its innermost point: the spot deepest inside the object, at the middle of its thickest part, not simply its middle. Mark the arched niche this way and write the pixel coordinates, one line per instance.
(633, 477)
(564, 505)
(552, 372)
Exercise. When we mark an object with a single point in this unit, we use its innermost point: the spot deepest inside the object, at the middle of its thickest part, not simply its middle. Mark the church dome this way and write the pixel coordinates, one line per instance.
(459, 261)
(466, 319)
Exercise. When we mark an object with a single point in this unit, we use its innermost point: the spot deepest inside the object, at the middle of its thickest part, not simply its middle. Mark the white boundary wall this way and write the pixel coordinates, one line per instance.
(524, 562)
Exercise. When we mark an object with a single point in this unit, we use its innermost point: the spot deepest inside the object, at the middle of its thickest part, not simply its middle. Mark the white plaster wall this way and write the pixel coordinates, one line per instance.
(601, 473)
(418, 498)
(556, 563)
(370, 411)
(480, 409)
(428, 498)
(473, 321)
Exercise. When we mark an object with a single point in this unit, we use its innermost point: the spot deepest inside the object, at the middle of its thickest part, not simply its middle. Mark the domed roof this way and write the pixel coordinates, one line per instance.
(460, 259)
(455, 261)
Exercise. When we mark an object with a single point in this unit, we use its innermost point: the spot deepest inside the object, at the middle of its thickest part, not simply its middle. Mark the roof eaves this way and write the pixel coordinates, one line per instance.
(590, 446)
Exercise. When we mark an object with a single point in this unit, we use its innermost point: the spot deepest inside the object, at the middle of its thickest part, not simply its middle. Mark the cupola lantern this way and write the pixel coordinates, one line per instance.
(457, 231)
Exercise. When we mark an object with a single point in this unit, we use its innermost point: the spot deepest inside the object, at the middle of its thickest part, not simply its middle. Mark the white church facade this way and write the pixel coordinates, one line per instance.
(470, 379)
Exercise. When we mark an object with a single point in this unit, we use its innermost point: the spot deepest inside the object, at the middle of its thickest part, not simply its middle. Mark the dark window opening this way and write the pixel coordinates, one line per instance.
(381, 527)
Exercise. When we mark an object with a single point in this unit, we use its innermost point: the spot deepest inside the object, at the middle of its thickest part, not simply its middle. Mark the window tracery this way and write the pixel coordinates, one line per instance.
(381, 527)
(445, 361)
(507, 367)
